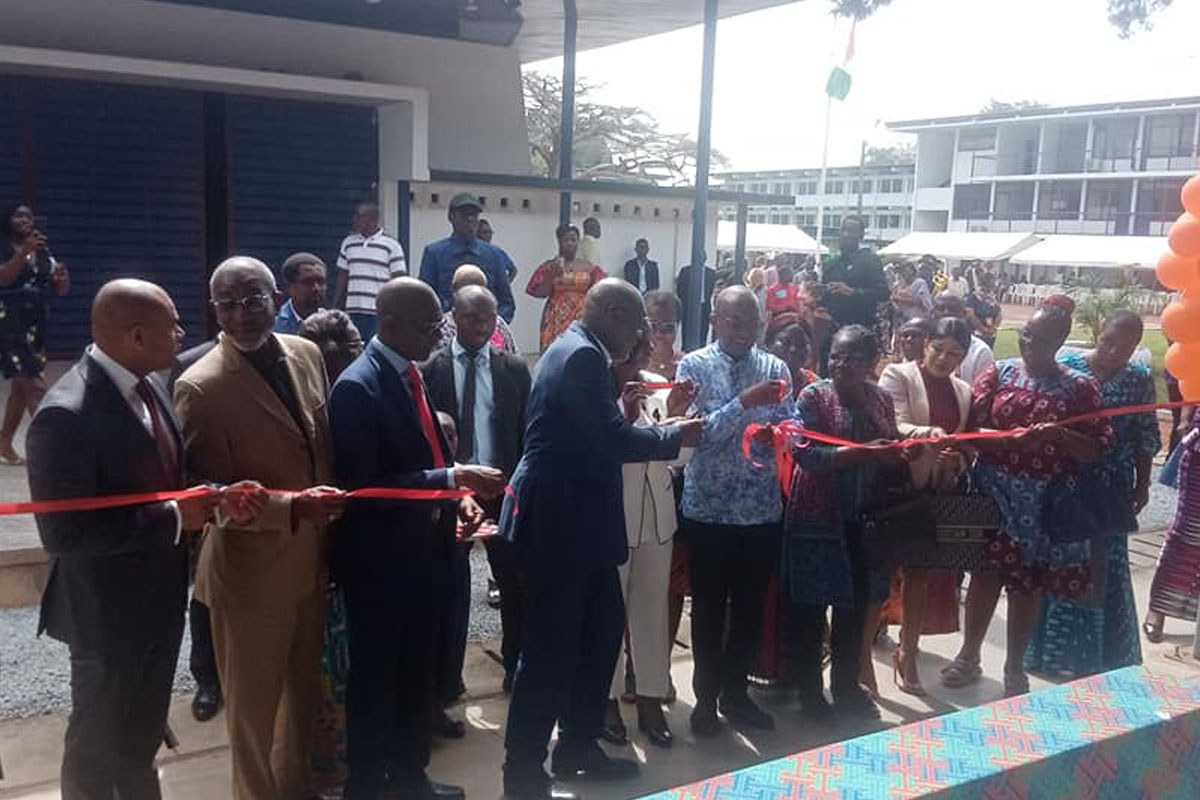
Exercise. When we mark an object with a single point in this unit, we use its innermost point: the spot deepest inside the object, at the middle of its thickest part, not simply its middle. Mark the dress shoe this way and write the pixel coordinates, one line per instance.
(743, 714)
(816, 708)
(206, 703)
(589, 762)
(704, 720)
(446, 727)
(613, 730)
(653, 723)
(534, 785)
(493, 594)
(855, 703)
(428, 790)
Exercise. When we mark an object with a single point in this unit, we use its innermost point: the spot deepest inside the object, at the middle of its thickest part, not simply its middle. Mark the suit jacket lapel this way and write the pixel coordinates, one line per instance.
(126, 427)
(396, 385)
(258, 389)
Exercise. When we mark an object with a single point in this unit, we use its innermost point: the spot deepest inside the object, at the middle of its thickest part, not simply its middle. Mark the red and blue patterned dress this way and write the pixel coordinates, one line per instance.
(1006, 397)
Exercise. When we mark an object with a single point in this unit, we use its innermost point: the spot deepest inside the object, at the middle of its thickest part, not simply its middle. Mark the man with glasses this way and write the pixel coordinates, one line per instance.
(662, 311)
(732, 509)
(254, 408)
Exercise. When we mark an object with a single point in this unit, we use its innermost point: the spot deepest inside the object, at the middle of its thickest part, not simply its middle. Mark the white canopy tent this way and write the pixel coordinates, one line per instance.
(954, 246)
(1101, 252)
(762, 237)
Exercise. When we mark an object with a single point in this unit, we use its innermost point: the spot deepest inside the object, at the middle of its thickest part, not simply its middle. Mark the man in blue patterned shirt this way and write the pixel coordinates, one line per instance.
(732, 508)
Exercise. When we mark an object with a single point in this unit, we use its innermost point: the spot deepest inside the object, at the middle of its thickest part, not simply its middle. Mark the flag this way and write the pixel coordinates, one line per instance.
(850, 44)
(838, 85)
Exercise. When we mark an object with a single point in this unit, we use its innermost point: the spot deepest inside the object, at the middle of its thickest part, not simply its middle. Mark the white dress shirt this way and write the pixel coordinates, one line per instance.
(401, 364)
(126, 383)
(979, 357)
(483, 448)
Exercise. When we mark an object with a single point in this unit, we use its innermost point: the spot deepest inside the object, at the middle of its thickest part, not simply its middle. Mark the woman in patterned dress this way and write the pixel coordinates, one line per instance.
(1033, 391)
(790, 338)
(563, 281)
(1078, 639)
(29, 275)
(1175, 590)
(823, 562)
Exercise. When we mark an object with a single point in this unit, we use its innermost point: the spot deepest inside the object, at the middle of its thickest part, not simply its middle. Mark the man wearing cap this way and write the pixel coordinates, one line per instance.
(463, 246)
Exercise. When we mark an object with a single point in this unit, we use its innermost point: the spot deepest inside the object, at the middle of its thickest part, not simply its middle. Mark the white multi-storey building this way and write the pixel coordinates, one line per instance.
(1107, 169)
(881, 193)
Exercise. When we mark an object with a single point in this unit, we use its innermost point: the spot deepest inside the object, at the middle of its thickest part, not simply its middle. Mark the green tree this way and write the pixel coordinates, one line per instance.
(619, 143)
(995, 106)
(899, 154)
(1126, 15)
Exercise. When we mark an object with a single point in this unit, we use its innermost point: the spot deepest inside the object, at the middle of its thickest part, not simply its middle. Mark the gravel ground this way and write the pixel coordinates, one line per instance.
(34, 672)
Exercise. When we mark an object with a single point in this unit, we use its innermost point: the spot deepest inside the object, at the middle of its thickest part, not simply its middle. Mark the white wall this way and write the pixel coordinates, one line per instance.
(477, 120)
(527, 234)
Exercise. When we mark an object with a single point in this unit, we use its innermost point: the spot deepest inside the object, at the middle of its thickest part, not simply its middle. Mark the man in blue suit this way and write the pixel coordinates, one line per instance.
(394, 558)
(565, 513)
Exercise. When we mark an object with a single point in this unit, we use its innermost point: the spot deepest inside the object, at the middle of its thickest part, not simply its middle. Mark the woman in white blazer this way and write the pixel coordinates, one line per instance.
(650, 524)
(929, 401)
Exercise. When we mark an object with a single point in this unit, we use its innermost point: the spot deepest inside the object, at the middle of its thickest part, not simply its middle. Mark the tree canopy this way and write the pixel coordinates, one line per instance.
(622, 143)
(1126, 15)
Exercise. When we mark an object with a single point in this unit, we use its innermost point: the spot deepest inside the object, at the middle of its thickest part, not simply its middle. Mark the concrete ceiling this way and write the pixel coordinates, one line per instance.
(605, 22)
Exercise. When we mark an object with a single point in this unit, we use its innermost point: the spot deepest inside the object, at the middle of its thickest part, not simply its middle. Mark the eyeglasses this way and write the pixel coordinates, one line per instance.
(250, 304)
(664, 327)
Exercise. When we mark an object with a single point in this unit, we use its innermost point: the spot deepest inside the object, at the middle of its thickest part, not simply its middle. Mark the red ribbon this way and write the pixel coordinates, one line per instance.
(791, 434)
(114, 501)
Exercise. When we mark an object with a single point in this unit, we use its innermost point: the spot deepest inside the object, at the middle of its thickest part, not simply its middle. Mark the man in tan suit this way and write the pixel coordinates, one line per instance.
(254, 409)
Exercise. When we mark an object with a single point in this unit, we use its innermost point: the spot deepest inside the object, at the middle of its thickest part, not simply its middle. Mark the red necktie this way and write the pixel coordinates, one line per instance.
(168, 451)
(425, 415)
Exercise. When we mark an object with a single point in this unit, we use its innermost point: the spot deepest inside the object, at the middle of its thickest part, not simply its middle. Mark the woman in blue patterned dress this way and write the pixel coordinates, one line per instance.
(824, 563)
(1085, 639)
(1031, 392)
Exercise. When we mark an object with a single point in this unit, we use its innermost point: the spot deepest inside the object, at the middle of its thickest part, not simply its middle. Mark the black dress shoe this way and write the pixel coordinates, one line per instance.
(428, 790)
(816, 708)
(589, 762)
(206, 703)
(446, 727)
(704, 720)
(653, 723)
(855, 703)
(534, 785)
(743, 714)
(613, 730)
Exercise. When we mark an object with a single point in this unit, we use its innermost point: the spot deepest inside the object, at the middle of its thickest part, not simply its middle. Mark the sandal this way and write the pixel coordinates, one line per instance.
(1154, 633)
(904, 673)
(1015, 683)
(960, 672)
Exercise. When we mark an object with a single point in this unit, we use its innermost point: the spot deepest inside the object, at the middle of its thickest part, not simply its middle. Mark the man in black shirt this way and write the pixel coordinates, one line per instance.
(855, 284)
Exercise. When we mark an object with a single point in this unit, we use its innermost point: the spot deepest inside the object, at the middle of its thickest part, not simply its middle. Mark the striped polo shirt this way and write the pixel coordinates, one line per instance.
(370, 261)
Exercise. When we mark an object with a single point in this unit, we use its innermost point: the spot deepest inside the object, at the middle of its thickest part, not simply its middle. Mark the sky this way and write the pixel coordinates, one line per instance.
(913, 59)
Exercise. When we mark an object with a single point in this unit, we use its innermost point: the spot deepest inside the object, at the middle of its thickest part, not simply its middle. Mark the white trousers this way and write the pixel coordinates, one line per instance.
(644, 582)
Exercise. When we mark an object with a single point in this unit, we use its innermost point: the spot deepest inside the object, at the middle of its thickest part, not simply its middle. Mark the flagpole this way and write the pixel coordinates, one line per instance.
(821, 186)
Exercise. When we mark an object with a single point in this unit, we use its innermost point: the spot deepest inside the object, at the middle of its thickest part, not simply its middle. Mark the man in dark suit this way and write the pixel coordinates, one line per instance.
(118, 577)
(565, 513)
(392, 557)
(485, 391)
(641, 271)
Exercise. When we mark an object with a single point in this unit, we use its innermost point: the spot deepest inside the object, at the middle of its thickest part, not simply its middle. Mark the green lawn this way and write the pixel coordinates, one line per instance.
(1006, 347)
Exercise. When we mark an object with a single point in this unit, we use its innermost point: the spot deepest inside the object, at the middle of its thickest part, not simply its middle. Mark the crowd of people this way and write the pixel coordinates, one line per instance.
(608, 486)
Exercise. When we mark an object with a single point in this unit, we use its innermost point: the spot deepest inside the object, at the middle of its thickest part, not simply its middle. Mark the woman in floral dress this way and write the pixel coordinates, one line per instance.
(1078, 639)
(564, 282)
(1019, 472)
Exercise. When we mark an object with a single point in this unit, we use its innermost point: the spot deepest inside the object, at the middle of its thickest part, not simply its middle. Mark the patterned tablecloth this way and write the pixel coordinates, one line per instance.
(1124, 734)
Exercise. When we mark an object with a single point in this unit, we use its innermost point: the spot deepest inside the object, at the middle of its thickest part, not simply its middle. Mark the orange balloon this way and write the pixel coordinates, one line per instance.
(1190, 195)
(1183, 361)
(1178, 273)
(1181, 319)
(1184, 236)
(1190, 391)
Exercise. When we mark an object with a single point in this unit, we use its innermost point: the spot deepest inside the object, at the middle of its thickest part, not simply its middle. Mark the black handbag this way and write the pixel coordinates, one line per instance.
(1087, 506)
(932, 530)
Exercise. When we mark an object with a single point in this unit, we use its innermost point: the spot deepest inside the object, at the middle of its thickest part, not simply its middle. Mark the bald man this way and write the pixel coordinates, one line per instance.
(502, 336)
(118, 577)
(253, 408)
(395, 558)
(566, 515)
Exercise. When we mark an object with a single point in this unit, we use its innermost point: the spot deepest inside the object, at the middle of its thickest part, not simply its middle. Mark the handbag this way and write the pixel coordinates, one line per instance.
(932, 530)
(1085, 506)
